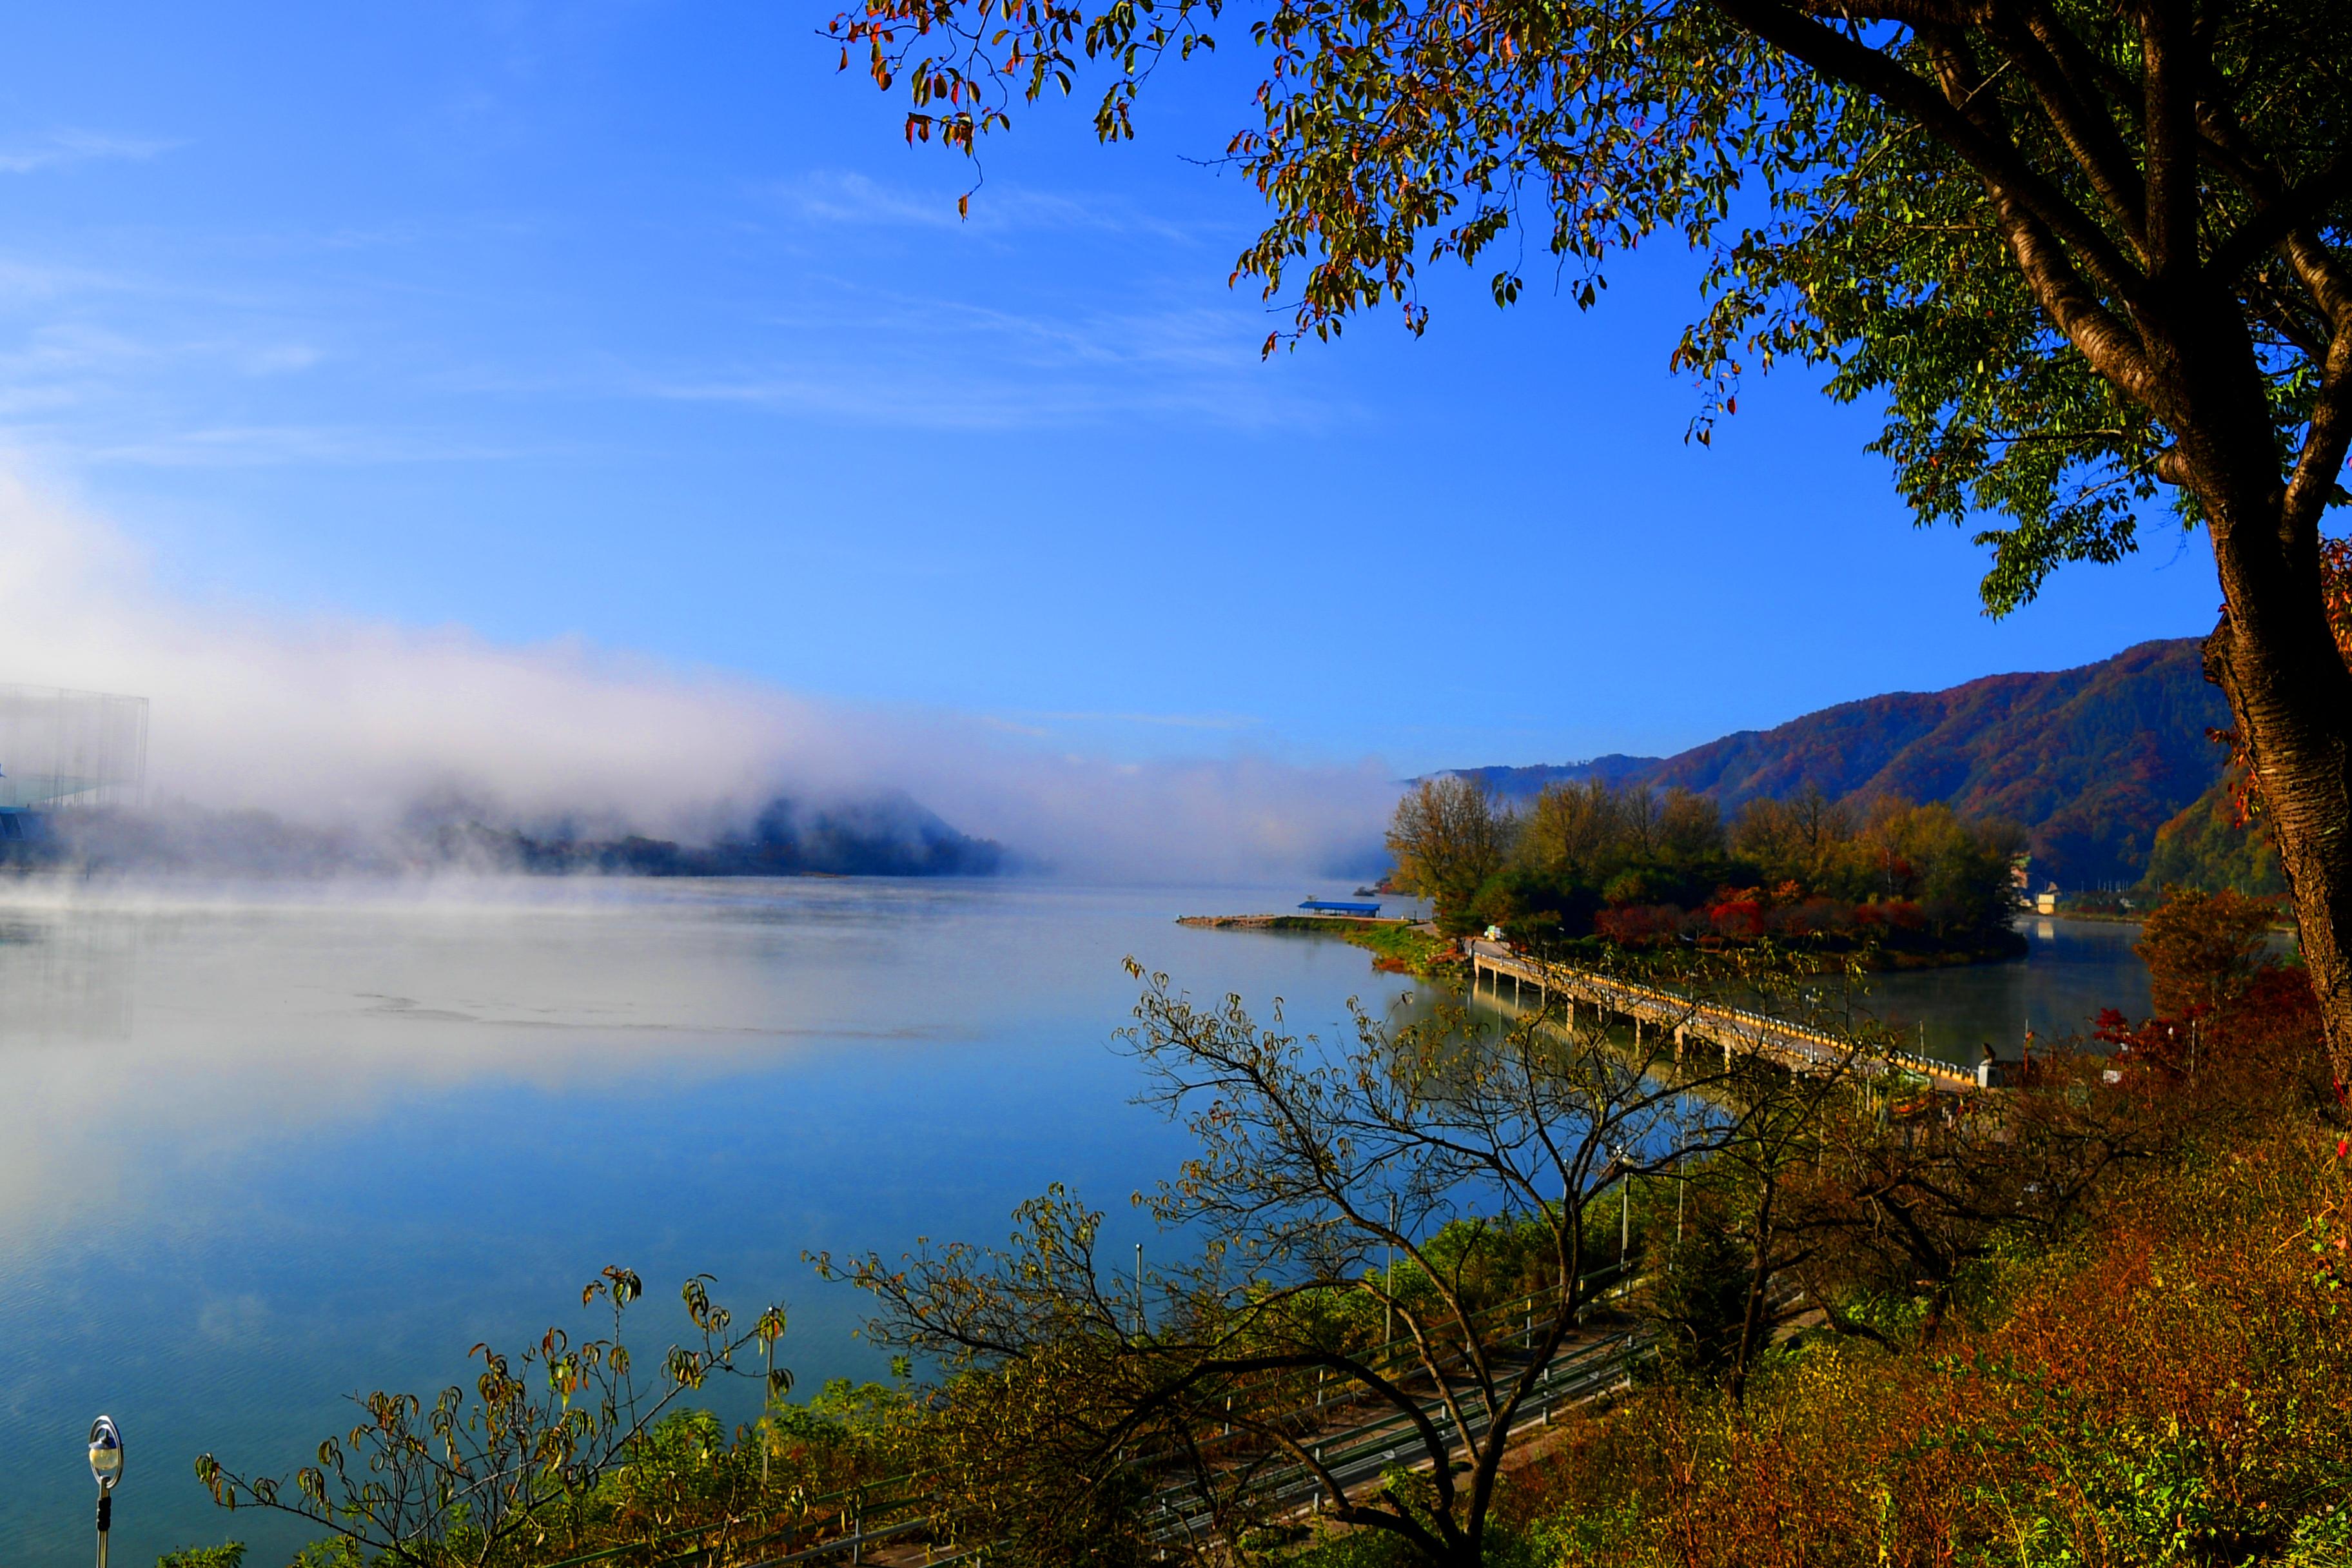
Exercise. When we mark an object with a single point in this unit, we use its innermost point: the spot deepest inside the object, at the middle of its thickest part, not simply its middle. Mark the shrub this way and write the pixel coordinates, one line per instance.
(228, 1554)
(2174, 1385)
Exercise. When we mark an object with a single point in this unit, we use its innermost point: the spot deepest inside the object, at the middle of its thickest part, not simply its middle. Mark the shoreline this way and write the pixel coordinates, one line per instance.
(1400, 945)
(1277, 921)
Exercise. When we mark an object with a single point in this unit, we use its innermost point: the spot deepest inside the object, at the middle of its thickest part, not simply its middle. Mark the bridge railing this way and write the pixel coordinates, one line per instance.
(1686, 1009)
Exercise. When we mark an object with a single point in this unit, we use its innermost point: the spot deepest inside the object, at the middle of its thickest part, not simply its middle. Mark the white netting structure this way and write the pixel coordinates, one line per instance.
(61, 749)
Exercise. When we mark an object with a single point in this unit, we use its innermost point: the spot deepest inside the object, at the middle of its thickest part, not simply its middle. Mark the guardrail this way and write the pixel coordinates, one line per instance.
(845, 1523)
(1362, 1453)
(859, 1516)
(1401, 1356)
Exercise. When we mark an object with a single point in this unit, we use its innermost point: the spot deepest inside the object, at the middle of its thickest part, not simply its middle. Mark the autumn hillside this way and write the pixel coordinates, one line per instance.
(2093, 761)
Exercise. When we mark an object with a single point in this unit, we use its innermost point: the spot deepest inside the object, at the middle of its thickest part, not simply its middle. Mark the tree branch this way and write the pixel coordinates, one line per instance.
(2280, 313)
(2081, 123)
(2320, 467)
(2280, 215)
(1980, 145)
(2320, 272)
(2169, 129)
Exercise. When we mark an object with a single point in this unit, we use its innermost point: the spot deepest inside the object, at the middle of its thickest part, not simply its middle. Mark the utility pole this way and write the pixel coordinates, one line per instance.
(1138, 1290)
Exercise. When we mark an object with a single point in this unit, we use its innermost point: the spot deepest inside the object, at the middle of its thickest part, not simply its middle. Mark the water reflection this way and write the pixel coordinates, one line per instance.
(67, 982)
(2073, 969)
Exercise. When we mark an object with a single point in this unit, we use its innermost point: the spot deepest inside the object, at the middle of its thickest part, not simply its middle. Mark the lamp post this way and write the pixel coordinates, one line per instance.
(105, 1469)
(1388, 1283)
(1624, 1222)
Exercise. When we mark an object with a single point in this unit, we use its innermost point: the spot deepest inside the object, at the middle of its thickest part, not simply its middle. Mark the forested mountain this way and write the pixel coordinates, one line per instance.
(884, 835)
(2090, 761)
(881, 834)
(2208, 846)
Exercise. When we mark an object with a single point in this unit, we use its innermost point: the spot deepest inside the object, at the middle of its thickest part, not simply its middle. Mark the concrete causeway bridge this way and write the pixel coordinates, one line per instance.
(1687, 1020)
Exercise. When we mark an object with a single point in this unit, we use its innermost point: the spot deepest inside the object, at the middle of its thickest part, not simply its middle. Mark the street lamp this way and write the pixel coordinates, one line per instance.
(106, 1469)
(1624, 1206)
(1624, 1223)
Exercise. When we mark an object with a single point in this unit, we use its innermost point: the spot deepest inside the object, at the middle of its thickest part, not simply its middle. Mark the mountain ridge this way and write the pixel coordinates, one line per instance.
(2092, 759)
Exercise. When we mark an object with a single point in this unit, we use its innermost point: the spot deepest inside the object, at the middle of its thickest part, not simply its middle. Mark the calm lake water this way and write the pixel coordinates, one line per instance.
(2075, 968)
(263, 1149)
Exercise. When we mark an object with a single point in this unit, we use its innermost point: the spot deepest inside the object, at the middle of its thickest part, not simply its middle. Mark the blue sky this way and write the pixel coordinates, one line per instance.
(636, 324)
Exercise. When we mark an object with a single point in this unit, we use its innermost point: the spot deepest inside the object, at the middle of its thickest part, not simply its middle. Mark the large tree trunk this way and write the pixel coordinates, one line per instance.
(1759, 1275)
(2275, 657)
(2291, 698)
(2274, 654)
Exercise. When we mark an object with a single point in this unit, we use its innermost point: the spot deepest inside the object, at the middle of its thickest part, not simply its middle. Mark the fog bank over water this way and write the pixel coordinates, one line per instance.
(348, 727)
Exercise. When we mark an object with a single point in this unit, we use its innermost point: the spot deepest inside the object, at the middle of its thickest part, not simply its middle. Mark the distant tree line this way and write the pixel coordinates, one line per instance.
(1628, 864)
(886, 834)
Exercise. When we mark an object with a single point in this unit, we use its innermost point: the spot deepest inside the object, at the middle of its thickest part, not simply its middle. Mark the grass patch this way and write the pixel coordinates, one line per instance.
(1406, 950)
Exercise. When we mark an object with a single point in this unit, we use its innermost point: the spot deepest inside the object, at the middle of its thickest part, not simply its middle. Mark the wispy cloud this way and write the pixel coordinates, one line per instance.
(936, 363)
(107, 358)
(854, 200)
(1162, 721)
(915, 396)
(274, 445)
(60, 149)
(116, 364)
(81, 348)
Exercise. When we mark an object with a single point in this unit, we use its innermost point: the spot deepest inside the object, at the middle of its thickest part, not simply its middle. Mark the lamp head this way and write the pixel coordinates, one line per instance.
(105, 1453)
